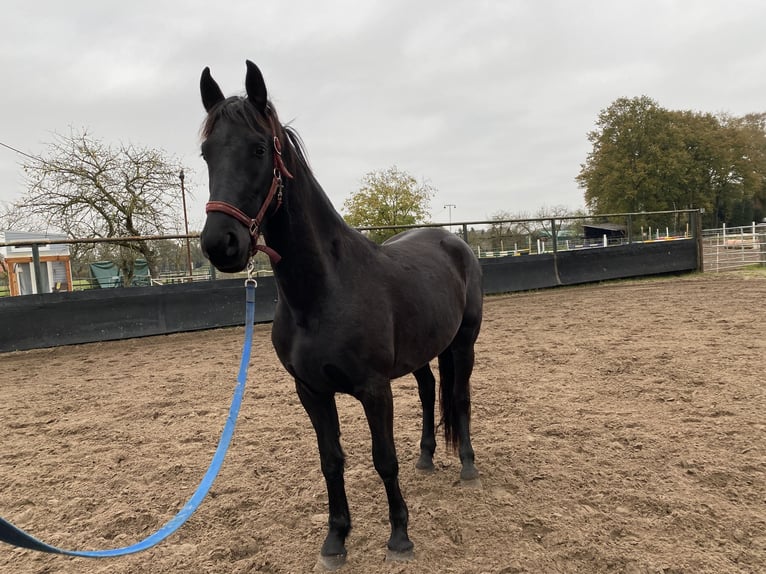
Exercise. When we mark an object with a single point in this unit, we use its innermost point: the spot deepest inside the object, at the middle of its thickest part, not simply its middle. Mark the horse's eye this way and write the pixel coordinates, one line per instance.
(260, 150)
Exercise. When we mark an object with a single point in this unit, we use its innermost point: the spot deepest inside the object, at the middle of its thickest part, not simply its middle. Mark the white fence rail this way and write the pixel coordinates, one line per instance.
(730, 248)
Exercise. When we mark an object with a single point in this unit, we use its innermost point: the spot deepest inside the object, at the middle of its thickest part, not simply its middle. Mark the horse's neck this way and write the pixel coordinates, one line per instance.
(306, 233)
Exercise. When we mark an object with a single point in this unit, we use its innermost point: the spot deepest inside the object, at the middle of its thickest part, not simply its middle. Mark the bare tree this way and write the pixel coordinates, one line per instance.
(11, 218)
(87, 188)
(550, 214)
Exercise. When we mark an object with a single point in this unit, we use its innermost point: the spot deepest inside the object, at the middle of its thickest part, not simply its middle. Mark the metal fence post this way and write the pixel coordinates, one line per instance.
(37, 267)
(697, 227)
(554, 236)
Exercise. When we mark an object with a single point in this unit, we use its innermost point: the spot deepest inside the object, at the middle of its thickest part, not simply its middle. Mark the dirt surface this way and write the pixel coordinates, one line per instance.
(618, 428)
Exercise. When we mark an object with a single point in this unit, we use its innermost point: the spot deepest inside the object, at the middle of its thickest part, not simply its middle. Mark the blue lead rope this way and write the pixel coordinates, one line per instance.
(17, 537)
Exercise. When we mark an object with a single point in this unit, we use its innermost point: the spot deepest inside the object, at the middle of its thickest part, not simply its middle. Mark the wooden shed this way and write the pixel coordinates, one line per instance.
(599, 230)
(55, 266)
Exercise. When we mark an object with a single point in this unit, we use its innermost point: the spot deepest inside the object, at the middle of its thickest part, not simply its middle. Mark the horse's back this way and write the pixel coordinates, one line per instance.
(439, 269)
(429, 243)
(436, 251)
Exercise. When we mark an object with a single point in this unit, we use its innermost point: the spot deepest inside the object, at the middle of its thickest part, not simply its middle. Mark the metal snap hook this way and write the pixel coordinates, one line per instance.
(250, 274)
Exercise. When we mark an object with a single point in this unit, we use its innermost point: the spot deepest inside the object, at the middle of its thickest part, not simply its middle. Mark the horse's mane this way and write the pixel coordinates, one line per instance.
(239, 109)
(296, 142)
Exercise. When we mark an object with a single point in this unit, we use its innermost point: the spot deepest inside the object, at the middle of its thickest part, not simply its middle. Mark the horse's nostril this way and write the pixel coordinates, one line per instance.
(232, 245)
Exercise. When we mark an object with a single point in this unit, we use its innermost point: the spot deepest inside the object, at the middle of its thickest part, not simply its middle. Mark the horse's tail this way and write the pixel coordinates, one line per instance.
(454, 399)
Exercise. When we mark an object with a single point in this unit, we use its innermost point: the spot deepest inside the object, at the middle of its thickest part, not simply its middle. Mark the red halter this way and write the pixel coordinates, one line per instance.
(254, 224)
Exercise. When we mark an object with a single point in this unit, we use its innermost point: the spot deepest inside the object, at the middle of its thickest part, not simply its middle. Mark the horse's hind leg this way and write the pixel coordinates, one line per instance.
(455, 368)
(427, 392)
(463, 359)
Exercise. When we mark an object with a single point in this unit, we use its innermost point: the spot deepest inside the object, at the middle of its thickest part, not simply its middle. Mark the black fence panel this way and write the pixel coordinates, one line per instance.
(518, 273)
(526, 272)
(37, 321)
(623, 261)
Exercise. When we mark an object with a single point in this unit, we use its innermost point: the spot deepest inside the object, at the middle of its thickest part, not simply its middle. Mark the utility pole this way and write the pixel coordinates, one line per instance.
(186, 227)
(450, 206)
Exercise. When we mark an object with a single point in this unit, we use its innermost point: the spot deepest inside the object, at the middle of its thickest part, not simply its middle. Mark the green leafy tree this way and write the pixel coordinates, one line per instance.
(725, 167)
(747, 200)
(87, 188)
(632, 158)
(647, 158)
(388, 197)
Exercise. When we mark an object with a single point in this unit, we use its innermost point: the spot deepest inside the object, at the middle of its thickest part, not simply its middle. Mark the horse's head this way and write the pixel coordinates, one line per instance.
(244, 167)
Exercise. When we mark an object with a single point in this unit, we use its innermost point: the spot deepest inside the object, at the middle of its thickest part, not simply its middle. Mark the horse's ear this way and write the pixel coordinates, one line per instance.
(256, 87)
(211, 93)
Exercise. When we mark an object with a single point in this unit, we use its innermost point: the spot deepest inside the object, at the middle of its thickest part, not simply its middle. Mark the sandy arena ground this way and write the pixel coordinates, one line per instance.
(618, 428)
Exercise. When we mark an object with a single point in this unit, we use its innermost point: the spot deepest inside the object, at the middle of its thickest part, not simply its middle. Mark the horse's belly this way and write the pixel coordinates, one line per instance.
(415, 352)
(327, 360)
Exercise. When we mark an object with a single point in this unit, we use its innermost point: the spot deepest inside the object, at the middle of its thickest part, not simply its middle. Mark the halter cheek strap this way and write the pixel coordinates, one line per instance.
(253, 224)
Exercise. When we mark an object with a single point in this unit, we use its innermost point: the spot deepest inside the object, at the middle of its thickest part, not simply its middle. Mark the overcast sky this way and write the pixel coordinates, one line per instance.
(489, 101)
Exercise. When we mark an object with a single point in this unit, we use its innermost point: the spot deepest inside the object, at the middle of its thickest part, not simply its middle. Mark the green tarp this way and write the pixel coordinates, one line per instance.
(141, 277)
(106, 274)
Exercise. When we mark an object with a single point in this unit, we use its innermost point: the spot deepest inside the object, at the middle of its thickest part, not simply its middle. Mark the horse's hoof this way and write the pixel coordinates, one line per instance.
(425, 465)
(399, 555)
(330, 563)
(471, 482)
(469, 472)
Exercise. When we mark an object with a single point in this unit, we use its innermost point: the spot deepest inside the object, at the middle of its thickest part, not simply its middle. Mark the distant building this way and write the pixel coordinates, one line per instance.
(599, 230)
(55, 267)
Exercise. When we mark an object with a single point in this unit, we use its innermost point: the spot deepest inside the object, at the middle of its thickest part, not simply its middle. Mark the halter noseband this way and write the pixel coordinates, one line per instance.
(254, 224)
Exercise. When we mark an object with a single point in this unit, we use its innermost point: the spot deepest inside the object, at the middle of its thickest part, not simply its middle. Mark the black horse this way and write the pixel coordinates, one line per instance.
(351, 315)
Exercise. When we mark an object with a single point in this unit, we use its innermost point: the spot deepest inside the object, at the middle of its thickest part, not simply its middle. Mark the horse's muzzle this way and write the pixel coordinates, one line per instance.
(225, 242)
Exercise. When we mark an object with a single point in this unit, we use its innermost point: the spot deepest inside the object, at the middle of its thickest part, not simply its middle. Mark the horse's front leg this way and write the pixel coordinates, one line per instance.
(323, 413)
(378, 405)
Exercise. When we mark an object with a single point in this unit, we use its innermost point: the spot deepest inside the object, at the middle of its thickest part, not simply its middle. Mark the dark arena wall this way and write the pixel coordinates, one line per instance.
(53, 319)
